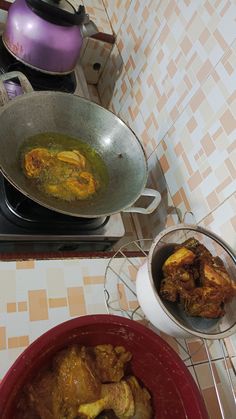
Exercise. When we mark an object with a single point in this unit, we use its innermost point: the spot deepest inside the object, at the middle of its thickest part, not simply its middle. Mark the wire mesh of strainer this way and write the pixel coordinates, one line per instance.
(120, 297)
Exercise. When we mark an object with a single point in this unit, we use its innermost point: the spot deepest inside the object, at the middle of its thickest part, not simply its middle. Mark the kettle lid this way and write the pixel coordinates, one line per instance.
(60, 12)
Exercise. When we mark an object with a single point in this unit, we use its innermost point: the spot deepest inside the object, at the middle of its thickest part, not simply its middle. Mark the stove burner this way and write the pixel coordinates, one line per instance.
(26, 226)
(40, 81)
(28, 214)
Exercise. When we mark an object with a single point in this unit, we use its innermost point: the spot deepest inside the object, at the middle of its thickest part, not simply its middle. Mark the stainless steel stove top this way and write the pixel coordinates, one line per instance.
(27, 227)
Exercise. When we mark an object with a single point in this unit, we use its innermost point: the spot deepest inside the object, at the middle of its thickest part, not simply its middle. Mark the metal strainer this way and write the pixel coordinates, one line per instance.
(161, 248)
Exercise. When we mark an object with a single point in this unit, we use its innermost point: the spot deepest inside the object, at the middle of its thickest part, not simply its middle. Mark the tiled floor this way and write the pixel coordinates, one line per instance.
(37, 295)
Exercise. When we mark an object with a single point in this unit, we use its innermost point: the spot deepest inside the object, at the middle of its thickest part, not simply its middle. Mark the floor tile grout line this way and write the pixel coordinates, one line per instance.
(212, 359)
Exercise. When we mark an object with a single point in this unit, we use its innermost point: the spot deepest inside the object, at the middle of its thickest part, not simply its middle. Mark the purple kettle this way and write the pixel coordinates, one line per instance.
(47, 34)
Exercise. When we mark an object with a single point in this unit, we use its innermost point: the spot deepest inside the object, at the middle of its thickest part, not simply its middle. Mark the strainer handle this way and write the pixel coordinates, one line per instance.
(189, 218)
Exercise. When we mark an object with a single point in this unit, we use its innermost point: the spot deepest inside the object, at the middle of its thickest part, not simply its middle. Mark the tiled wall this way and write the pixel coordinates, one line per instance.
(172, 78)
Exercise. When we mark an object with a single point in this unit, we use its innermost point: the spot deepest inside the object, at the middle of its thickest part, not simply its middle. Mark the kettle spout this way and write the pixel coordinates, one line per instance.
(88, 28)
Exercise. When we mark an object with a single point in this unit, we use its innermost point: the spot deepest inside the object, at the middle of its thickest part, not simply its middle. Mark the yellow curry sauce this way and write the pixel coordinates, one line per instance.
(63, 167)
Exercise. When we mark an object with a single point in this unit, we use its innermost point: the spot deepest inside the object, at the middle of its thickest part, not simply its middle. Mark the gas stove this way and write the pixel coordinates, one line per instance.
(27, 227)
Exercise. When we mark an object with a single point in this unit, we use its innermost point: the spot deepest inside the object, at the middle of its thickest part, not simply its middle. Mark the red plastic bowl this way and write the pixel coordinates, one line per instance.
(174, 392)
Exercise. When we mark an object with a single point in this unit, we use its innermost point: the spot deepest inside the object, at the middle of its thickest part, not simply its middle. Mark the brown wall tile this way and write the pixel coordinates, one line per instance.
(3, 343)
(208, 145)
(18, 342)
(22, 306)
(25, 264)
(228, 122)
(195, 180)
(186, 45)
(11, 307)
(93, 280)
(212, 200)
(164, 164)
(38, 306)
(197, 99)
(76, 301)
(211, 402)
(122, 297)
(204, 70)
(57, 302)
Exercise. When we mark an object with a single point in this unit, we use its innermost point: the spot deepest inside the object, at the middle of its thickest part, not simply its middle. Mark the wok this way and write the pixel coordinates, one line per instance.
(39, 112)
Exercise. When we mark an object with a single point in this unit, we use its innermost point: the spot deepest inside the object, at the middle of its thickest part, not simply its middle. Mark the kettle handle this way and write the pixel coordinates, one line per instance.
(24, 82)
(151, 207)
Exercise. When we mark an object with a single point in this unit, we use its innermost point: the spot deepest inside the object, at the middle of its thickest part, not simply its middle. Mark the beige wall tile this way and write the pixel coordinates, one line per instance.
(179, 71)
(76, 301)
(178, 61)
(55, 282)
(57, 302)
(22, 306)
(38, 306)
(228, 121)
(211, 402)
(25, 264)
(3, 343)
(222, 221)
(202, 163)
(122, 297)
(116, 10)
(11, 307)
(18, 342)
(8, 285)
(89, 280)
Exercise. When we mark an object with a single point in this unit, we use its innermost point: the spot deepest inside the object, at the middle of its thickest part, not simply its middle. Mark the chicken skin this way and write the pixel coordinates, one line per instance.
(197, 280)
(35, 161)
(64, 175)
(110, 362)
(82, 383)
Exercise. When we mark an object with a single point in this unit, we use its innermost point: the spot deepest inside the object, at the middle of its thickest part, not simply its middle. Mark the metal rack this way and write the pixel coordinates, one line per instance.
(121, 299)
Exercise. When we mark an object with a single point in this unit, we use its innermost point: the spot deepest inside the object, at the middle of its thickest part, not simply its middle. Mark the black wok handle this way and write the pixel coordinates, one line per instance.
(24, 83)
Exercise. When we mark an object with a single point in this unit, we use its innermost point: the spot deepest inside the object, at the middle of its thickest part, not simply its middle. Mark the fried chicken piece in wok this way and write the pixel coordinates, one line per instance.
(73, 157)
(35, 161)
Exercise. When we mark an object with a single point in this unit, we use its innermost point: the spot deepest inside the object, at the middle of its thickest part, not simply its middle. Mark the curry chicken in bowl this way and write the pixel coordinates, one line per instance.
(99, 366)
(86, 383)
